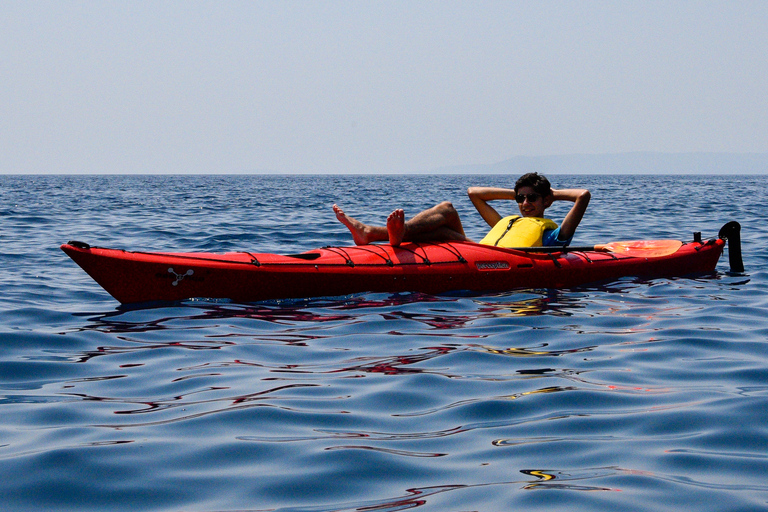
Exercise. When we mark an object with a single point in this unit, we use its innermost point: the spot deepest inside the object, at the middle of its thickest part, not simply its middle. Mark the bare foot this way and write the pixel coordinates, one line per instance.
(359, 230)
(396, 227)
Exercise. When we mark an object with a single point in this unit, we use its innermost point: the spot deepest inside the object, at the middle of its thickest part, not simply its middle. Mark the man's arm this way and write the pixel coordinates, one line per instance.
(480, 197)
(580, 199)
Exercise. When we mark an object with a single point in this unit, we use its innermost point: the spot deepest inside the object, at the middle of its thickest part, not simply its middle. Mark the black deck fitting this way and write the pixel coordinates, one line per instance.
(732, 233)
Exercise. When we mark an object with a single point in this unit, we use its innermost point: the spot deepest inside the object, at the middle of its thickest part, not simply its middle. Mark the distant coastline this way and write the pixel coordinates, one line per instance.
(623, 163)
(637, 163)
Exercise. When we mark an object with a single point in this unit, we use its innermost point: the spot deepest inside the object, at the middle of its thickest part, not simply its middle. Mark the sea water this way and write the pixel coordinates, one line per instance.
(640, 394)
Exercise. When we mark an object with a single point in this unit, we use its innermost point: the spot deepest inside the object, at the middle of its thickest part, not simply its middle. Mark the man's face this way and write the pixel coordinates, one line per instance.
(533, 204)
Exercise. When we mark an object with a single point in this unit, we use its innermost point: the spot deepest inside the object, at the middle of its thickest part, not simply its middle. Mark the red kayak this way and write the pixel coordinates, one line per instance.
(432, 268)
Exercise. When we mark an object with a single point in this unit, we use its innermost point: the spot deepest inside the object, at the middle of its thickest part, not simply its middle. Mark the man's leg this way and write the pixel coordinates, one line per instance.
(440, 222)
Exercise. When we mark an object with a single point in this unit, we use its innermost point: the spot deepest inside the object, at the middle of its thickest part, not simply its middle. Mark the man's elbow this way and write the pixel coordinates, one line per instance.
(474, 193)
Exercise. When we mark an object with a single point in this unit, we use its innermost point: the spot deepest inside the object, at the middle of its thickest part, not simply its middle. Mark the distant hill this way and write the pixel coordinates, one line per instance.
(624, 163)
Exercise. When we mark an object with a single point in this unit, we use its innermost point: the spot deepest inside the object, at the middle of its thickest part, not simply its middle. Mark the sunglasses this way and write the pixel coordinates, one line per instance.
(520, 198)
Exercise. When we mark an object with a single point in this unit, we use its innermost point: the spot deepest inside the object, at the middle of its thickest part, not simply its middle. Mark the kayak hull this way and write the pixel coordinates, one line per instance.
(433, 268)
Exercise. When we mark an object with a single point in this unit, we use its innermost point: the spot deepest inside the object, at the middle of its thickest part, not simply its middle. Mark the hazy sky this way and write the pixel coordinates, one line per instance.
(369, 86)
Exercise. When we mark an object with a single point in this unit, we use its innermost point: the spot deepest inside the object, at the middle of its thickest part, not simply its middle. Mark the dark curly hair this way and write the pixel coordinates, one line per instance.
(536, 181)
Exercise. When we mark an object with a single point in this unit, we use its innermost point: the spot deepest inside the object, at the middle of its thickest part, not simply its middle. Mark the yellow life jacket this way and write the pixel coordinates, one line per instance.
(516, 231)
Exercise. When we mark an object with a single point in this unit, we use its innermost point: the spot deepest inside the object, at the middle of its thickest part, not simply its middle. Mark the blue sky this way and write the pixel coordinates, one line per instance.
(372, 86)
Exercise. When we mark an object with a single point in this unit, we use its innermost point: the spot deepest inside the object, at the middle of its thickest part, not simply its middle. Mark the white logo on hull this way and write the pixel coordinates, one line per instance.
(180, 277)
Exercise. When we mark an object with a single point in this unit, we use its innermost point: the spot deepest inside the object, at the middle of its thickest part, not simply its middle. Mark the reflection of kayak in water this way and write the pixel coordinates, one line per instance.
(412, 267)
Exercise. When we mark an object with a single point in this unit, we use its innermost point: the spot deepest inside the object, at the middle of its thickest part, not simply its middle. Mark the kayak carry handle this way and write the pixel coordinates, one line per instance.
(732, 233)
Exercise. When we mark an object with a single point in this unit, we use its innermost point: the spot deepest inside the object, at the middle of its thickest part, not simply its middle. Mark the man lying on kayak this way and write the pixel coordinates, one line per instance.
(533, 194)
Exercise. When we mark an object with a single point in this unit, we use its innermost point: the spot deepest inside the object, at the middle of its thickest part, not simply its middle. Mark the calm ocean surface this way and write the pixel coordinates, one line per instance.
(636, 395)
